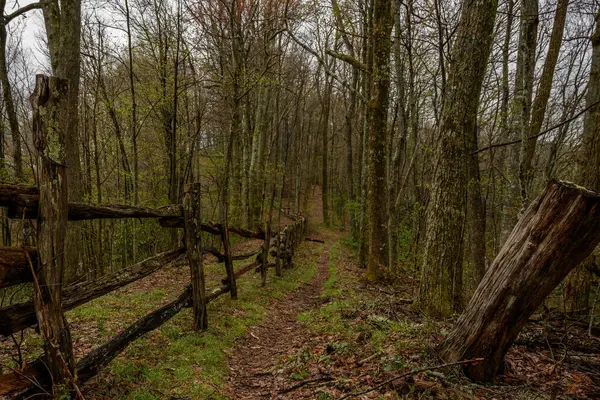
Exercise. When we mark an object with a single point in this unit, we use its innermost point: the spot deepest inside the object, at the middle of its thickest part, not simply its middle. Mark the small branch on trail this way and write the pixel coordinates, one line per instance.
(366, 360)
(305, 382)
(314, 240)
(409, 373)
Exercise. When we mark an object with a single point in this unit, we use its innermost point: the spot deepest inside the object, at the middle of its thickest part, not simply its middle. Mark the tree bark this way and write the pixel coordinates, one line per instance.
(538, 109)
(558, 230)
(578, 284)
(441, 284)
(378, 112)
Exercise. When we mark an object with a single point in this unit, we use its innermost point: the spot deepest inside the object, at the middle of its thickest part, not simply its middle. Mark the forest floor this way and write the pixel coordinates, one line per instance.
(318, 332)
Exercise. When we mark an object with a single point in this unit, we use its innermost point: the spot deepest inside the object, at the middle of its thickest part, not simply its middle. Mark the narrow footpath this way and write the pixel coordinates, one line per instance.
(252, 366)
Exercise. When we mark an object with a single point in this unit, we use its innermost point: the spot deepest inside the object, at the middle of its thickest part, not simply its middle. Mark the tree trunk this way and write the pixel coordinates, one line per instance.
(62, 19)
(324, 131)
(578, 284)
(558, 230)
(538, 109)
(521, 111)
(8, 101)
(378, 112)
(441, 284)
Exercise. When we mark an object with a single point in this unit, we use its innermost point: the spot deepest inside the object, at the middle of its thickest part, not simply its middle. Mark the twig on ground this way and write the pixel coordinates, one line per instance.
(413, 372)
(304, 383)
(366, 360)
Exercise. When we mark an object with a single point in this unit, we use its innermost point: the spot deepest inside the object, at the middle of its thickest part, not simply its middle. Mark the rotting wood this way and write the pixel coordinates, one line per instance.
(17, 317)
(14, 266)
(558, 230)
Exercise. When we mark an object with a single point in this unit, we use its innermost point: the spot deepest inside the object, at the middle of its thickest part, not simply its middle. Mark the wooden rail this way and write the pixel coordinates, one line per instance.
(44, 265)
(19, 383)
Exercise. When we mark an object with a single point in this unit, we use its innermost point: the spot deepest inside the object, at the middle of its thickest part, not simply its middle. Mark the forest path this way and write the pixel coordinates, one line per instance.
(252, 373)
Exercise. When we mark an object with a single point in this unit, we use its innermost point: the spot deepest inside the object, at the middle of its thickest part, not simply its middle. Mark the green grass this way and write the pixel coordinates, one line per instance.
(350, 315)
(174, 360)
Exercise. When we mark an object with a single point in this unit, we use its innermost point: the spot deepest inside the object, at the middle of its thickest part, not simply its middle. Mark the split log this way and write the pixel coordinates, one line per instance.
(17, 317)
(558, 231)
(101, 356)
(23, 201)
(211, 227)
(235, 257)
(314, 240)
(14, 266)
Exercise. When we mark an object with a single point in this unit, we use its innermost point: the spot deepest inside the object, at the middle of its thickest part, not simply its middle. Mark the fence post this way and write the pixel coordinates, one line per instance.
(264, 261)
(278, 255)
(228, 260)
(49, 117)
(193, 243)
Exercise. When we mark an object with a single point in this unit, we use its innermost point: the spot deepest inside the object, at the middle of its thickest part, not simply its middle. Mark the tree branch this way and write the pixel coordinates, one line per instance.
(348, 59)
(493, 146)
(23, 10)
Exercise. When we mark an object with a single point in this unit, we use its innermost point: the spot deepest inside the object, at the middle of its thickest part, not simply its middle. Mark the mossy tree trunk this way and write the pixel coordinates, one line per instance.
(378, 112)
(441, 280)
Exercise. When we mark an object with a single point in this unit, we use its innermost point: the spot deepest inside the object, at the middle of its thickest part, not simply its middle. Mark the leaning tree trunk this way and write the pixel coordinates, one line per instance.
(558, 230)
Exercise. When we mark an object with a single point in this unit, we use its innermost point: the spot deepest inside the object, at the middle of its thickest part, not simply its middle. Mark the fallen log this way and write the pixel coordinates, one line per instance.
(14, 266)
(17, 317)
(558, 231)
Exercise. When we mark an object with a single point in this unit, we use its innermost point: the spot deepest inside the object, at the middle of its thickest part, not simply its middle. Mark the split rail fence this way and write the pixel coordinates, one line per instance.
(43, 266)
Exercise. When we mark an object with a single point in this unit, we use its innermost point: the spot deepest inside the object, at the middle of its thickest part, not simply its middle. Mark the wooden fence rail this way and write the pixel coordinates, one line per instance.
(44, 265)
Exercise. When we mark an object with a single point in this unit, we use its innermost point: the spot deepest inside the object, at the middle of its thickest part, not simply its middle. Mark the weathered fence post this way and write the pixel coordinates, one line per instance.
(278, 255)
(228, 260)
(193, 243)
(558, 230)
(264, 260)
(49, 119)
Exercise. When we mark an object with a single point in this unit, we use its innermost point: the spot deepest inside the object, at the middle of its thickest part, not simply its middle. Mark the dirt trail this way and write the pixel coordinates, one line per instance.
(253, 361)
